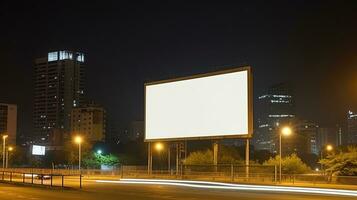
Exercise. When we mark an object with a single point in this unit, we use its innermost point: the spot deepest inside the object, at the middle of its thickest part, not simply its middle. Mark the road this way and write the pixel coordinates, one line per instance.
(111, 191)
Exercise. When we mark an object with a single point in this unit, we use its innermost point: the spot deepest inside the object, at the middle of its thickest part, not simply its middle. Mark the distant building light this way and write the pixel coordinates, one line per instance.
(278, 116)
(275, 96)
(263, 125)
(52, 56)
(279, 101)
(80, 57)
(352, 115)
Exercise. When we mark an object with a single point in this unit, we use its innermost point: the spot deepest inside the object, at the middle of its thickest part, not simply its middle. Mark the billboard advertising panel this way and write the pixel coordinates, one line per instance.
(38, 150)
(214, 105)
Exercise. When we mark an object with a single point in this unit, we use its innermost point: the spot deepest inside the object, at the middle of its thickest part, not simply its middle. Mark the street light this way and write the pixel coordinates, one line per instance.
(78, 140)
(7, 155)
(99, 152)
(3, 150)
(159, 146)
(328, 148)
(286, 131)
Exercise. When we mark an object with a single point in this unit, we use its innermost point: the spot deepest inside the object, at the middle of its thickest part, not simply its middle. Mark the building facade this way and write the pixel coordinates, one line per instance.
(351, 127)
(304, 138)
(276, 108)
(8, 122)
(59, 87)
(90, 122)
(329, 136)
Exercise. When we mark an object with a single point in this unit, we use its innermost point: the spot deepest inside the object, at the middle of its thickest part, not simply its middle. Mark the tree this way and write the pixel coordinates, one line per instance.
(199, 158)
(290, 165)
(344, 163)
(109, 160)
(227, 155)
(94, 160)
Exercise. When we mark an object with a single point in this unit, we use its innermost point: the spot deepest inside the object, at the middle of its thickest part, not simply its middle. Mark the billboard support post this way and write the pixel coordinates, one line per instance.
(177, 158)
(247, 160)
(215, 154)
(149, 158)
(169, 158)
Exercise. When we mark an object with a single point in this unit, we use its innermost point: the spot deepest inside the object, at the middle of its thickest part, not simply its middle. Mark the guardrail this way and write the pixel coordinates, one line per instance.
(45, 179)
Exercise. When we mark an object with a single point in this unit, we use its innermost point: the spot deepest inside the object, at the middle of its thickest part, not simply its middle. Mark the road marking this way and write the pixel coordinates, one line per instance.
(219, 185)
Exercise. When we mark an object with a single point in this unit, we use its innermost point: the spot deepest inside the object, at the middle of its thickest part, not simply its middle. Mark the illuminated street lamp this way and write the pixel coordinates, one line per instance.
(286, 131)
(78, 140)
(328, 148)
(99, 152)
(3, 150)
(7, 155)
(159, 146)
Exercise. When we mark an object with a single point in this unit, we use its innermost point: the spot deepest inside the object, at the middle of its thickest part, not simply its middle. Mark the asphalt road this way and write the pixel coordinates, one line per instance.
(110, 191)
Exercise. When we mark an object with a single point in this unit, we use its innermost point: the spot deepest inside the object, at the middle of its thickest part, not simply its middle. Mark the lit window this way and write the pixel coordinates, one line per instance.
(80, 57)
(52, 56)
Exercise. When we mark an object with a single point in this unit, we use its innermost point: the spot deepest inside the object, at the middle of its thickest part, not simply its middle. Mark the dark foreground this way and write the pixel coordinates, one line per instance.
(109, 191)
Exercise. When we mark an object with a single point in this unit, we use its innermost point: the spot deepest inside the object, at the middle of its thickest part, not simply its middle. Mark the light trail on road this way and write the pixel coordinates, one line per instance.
(220, 185)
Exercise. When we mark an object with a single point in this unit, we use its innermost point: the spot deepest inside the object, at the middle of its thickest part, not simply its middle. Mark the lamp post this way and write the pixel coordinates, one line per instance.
(327, 148)
(3, 150)
(286, 131)
(7, 155)
(78, 140)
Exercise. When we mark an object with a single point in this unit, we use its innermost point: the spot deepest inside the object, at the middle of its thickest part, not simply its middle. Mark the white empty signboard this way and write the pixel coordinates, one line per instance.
(210, 105)
(38, 150)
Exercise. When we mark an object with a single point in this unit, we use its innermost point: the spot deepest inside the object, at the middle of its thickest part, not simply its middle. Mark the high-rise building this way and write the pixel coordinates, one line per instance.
(328, 136)
(276, 107)
(351, 127)
(59, 86)
(8, 121)
(90, 122)
(304, 138)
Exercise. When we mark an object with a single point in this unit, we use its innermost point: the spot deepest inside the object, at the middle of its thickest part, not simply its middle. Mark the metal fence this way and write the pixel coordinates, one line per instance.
(42, 177)
(258, 174)
(230, 172)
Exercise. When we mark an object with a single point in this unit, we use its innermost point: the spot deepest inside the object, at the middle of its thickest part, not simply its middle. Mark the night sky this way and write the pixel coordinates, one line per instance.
(312, 44)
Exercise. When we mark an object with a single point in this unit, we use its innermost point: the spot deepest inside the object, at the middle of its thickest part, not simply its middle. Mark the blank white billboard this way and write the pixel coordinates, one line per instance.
(38, 150)
(209, 105)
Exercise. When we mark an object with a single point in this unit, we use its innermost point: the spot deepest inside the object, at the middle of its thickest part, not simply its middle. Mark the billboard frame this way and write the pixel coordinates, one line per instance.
(220, 72)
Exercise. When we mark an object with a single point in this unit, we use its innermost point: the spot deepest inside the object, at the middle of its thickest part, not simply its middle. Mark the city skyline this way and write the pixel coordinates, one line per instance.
(119, 61)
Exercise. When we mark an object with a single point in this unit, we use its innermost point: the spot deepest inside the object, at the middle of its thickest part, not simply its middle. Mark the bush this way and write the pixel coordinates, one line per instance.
(290, 165)
(227, 155)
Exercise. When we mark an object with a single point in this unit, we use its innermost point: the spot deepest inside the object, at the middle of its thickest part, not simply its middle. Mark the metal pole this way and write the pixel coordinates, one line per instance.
(185, 149)
(280, 157)
(320, 161)
(177, 158)
(247, 159)
(169, 158)
(215, 155)
(275, 173)
(79, 157)
(3, 151)
(149, 158)
(7, 159)
(232, 172)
